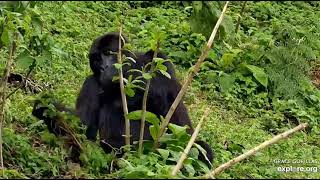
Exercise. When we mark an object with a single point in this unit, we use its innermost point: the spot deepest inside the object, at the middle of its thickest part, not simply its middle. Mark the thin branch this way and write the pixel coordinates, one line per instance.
(255, 150)
(240, 16)
(123, 95)
(144, 103)
(3, 89)
(191, 75)
(191, 141)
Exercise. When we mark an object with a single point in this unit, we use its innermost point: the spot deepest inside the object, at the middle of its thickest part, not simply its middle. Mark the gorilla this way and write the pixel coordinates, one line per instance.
(99, 104)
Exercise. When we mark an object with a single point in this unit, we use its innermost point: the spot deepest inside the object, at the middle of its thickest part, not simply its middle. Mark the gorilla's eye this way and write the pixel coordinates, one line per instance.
(106, 52)
(109, 52)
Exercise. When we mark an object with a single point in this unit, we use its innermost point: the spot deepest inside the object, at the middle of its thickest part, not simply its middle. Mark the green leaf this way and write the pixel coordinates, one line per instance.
(226, 82)
(189, 169)
(117, 65)
(115, 78)
(162, 67)
(147, 76)
(212, 55)
(259, 74)
(177, 130)
(131, 59)
(227, 59)
(154, 131)
(129, 92)
(164, 153)
(175, 155)
(43, 58)
(135, 70)
(24, 60)
(194, 153)
(158, 60)
(150, 117)
(165, 74)
(5, 37)
(203, 151)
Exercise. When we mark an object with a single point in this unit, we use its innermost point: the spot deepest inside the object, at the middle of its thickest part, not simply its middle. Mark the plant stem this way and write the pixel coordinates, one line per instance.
(123, 95)
(255, 150)
(190, 76)
(191, 141)
(144, 103)
(3, 89)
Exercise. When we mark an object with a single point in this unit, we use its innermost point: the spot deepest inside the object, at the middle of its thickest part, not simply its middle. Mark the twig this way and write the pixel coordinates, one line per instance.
(3, 88)
(240, 16)
(144, 103)
(191, 75)
(256, 149)
(123, 95)
(191, 141)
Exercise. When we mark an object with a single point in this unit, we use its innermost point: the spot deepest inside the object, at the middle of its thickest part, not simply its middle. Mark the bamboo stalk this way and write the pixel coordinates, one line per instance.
(144, 104)
(251, 152)
(190, 143)
(191, 75)
(123, 95)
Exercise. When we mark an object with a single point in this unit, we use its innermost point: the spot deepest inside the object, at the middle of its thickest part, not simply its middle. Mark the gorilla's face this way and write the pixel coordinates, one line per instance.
(107, 68)
(103, 56)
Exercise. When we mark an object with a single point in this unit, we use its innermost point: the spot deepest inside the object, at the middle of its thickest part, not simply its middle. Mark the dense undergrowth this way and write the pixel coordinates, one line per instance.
(259, 81)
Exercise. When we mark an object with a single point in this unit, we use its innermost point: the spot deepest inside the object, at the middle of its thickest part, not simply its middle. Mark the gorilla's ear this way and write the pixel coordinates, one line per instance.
(149, 54)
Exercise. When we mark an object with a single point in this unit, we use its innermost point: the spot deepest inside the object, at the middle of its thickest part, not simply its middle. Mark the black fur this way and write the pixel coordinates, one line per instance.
(99, 104)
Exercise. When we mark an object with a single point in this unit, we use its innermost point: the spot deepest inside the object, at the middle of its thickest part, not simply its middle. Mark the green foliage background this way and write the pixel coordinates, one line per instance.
(257, 80)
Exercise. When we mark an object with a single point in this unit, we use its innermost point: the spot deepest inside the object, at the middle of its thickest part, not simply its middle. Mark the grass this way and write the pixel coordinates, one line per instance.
(33, 152)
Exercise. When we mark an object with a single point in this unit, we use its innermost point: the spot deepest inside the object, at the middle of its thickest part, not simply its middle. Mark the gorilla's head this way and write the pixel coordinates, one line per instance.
(103, 56)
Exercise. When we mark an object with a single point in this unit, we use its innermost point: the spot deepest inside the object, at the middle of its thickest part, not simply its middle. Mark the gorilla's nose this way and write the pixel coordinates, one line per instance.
(103, 68)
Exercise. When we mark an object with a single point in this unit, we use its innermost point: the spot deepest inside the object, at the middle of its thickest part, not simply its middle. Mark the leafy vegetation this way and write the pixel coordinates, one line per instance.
(259, 81)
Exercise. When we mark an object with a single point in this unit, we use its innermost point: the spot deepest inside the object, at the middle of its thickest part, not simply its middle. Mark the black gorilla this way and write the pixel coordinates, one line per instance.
(99, 103)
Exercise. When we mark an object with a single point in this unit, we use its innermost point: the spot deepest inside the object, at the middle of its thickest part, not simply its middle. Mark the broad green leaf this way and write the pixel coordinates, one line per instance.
(168, 139)
(194, 153)
(147, 76)
(5, 37)
(164, 153)
(150, 117)
(43, 58)
(175, 155)
(226, 82)
(259, 74)
(158, 60)
(177, 130)
(202, 166)
(24, 60)
(162, 67)
(189, 169)
(227, 59)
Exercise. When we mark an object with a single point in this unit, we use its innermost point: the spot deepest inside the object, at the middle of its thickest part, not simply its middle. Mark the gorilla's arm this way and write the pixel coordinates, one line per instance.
(88, 104)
